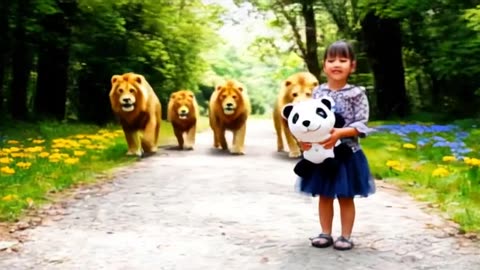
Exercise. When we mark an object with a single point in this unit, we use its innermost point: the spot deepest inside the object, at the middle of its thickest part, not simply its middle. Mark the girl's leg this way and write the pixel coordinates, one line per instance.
(347, 217)
(325, 213)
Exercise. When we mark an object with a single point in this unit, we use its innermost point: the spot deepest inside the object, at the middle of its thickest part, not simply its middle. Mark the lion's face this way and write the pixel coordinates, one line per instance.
(299, 87)
(126, 92)
(182, 104)
(230, 98)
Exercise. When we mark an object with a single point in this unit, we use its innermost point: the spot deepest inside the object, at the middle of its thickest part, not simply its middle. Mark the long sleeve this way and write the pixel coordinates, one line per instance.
(361, 112)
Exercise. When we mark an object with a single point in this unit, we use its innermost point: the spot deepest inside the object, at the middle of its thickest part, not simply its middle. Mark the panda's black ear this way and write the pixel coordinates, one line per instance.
(327, 103)
(287, 109)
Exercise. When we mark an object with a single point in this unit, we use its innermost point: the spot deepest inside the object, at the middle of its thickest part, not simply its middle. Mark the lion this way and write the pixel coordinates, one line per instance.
(298, 86)
(139, 110)
(183, 113)
(229, 108)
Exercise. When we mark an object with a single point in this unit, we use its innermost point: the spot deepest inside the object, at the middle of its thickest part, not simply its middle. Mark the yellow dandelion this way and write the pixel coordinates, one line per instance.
(44, 154)
(409, 146)
(79, 136)
(55, 150)
(18, 155)
(71, 161)
(24, 165)
(79, 153)
(59, 145)
(5, 160)
(7, 170)
(440, 172)
(14, 149)
(53, 160)
(85, 141)
(110, 135)
(37, 141)
(29, 201)
(448, 158)
(9, 197)
(472, 161)
(2, 154)
(34, 149)
(393, 163)
(13, 142)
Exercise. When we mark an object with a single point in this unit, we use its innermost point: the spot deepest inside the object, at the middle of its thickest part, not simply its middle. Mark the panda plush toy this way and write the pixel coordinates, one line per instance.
(312, 121)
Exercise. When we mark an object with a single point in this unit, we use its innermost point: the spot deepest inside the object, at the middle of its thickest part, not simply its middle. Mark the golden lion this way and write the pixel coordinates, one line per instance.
(138, 108)
(229, 108)
(183, 113)
(298, 86)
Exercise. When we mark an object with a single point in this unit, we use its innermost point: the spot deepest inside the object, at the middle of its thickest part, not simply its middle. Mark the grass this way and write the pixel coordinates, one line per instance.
(440, 165)
(38, 159)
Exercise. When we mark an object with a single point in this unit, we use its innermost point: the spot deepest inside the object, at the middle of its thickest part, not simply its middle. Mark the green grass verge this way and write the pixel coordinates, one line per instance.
(431, 172)
(41, 158)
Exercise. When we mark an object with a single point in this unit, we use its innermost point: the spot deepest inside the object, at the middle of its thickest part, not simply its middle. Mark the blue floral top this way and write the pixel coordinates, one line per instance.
(352, 103)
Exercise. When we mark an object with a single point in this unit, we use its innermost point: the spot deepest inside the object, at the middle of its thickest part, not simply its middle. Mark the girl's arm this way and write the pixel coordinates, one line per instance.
(361, 112)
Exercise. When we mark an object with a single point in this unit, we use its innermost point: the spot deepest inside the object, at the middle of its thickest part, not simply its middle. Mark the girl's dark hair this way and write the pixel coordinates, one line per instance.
(339, 48)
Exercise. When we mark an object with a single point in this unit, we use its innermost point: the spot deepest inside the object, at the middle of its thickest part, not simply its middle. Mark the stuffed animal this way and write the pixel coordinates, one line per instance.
(312, 121)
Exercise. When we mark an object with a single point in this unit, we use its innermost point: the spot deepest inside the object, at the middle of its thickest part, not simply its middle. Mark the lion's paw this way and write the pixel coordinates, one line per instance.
(294, 154)
(237, 151)
(137, 153)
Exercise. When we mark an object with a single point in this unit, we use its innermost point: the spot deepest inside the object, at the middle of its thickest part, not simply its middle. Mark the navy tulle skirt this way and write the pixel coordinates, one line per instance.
(352, 180)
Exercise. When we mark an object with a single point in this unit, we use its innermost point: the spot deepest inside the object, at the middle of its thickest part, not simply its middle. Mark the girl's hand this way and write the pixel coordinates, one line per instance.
(305, 146)
(335, 135)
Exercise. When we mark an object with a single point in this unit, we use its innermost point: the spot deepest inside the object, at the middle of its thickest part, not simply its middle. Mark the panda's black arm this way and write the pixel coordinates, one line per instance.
(339, 121)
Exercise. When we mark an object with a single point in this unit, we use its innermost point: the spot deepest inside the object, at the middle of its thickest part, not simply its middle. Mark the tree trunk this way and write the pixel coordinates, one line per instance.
(52, 82)
(4, 46)
(22, 63)
(383, 46)
(93, 89)
(311, 57)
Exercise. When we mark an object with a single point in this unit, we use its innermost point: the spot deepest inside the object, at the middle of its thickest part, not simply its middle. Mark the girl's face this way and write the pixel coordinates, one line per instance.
(338, 68)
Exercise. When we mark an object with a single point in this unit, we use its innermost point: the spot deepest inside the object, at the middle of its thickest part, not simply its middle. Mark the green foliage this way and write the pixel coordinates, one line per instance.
(472, 15)
(163, 40)
(430, 172)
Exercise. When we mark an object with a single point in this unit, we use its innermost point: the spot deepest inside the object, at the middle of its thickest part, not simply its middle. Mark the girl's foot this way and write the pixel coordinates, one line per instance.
(343, 243)
(323, 240)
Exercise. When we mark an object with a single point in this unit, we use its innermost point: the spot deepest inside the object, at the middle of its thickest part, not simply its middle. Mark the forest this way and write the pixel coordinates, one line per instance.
(57, 56)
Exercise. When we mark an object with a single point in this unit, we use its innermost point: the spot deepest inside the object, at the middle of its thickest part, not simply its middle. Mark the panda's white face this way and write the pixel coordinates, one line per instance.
(310, 120)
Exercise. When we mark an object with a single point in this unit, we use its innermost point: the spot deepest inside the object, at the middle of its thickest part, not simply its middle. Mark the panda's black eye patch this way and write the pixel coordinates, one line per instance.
(321, 112)
(295, 118)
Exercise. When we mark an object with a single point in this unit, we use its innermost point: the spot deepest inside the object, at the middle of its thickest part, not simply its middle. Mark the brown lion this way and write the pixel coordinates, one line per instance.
(183, 113)
(298, 86)
(139, 110)
(229, 108)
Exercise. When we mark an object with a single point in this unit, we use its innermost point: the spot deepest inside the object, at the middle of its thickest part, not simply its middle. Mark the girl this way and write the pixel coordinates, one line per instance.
(353, 178)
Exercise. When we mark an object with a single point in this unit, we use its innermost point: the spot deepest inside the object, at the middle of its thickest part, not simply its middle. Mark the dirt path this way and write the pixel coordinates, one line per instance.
(207, 210)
